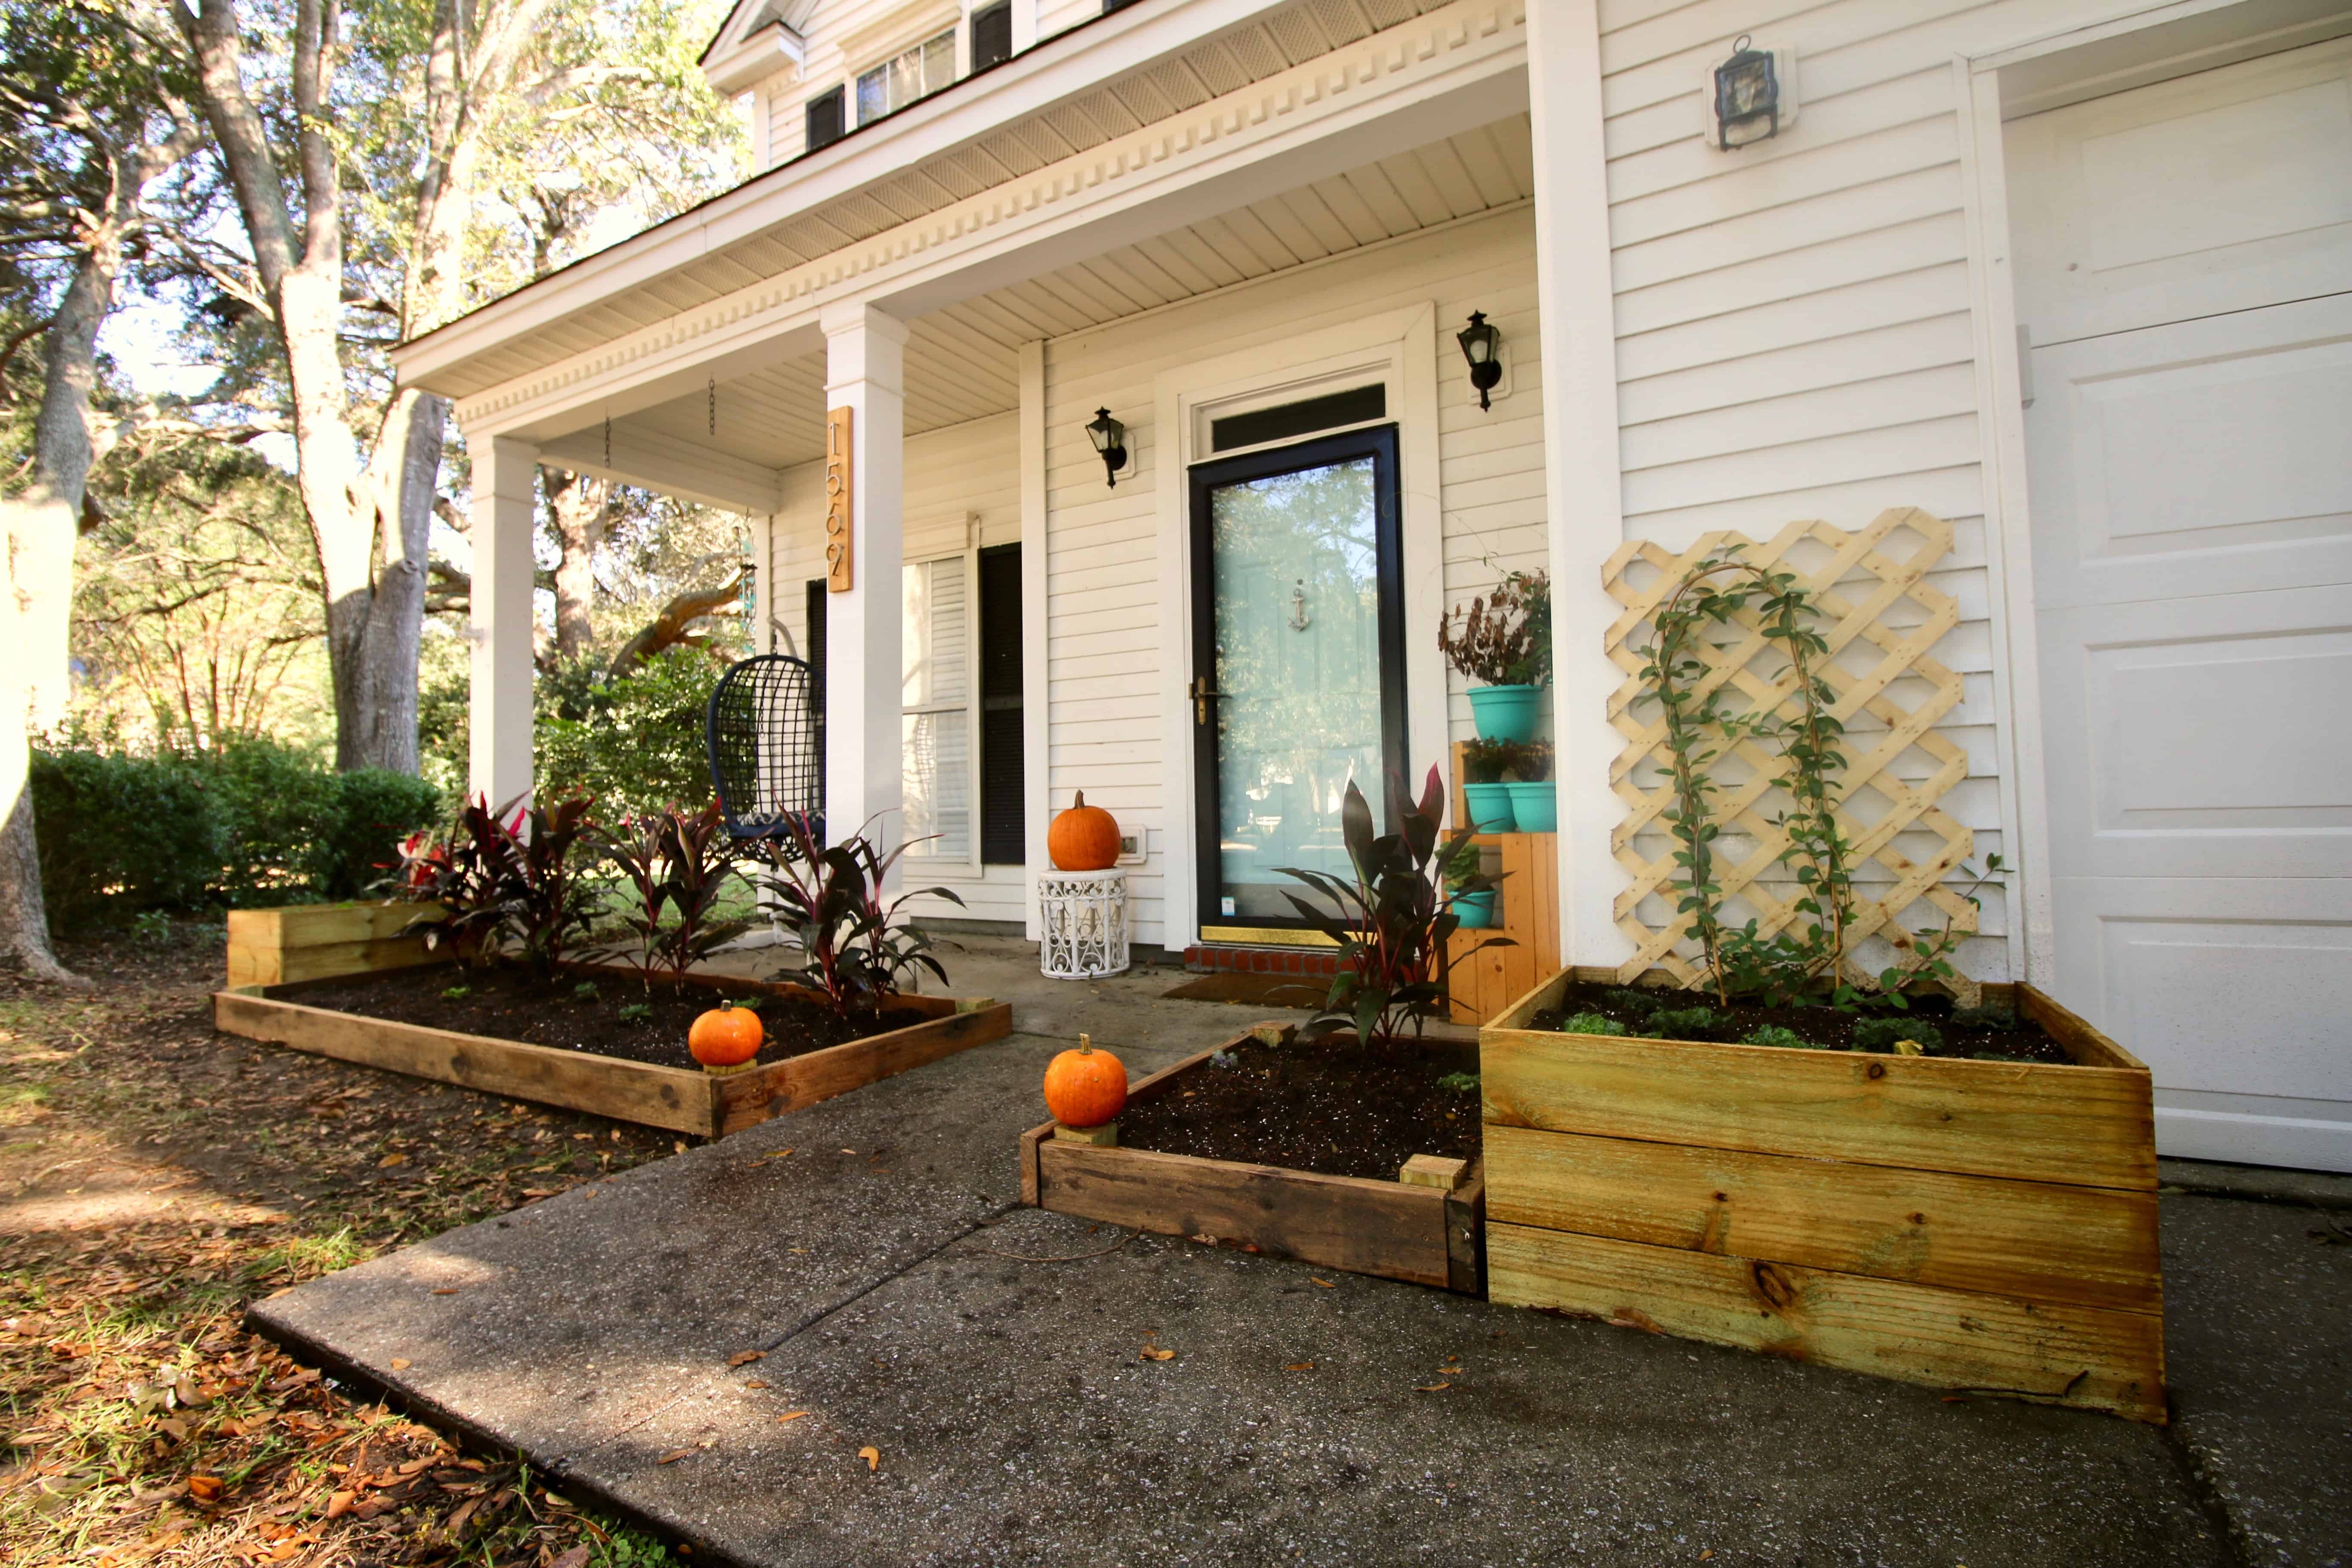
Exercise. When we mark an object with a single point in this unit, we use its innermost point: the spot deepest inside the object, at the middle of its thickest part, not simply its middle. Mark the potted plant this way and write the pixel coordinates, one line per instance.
(1473, 906)
(1502, 645)
(1485, 795)
(1535, 804)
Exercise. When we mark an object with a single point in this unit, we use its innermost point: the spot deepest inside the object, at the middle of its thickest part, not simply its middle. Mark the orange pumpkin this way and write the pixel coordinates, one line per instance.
(1083, 838)
(1086, 1088)
(725, 1036)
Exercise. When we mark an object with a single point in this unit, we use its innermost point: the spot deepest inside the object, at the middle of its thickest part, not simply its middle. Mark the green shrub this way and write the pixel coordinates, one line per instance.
(120, 833)
(1590, 1024)
(1880, 1034)
(1773, 1035)
(2000, 1020)
(1681, 1023)
(634, 744)
(375, 810)
(275, 803)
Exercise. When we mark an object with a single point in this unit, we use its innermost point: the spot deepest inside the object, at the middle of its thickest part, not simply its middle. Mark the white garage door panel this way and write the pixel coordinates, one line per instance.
(2186, 274)
(2205, 745)
(2189, 198)
(2209, 457)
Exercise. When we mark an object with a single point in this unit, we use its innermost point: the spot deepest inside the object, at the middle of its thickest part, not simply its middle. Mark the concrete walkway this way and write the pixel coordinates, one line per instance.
(883, 1266)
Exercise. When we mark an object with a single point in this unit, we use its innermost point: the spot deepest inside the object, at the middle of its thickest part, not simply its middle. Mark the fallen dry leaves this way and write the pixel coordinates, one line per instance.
(1153, 1352)
(873, 1457)
(138, 1423)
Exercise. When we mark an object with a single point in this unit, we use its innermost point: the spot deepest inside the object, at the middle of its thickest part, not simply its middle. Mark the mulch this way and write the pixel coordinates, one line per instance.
(1332, 1106)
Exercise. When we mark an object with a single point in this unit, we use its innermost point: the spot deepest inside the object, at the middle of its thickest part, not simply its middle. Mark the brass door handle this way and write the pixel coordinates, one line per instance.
(1202, 695)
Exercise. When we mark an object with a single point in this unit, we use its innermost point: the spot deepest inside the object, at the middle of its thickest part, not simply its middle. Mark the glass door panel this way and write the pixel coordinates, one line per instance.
(1297, 662)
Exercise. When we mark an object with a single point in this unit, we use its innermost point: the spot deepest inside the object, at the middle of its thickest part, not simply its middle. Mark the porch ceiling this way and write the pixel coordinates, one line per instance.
(962, 361)
(1273, 41)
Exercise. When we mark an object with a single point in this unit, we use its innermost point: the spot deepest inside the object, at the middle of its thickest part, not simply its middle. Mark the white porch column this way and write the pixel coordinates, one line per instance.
(506, 496)
(1574, 296)
(863, 669)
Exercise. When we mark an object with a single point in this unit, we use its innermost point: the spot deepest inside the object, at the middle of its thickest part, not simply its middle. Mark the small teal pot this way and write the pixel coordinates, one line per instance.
(1476, 911)
(1505, 712)
(1536, 806)
(1490, 807)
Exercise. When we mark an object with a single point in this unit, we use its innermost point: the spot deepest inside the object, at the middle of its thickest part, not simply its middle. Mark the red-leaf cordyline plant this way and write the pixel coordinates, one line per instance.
(502, 875)
(679, 862)
(1392, 919)
(855, 948)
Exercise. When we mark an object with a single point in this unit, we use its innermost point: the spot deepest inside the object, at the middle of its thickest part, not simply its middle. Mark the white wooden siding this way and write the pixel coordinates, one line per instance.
(1794, 337)
(1104, 596)
(954, 476)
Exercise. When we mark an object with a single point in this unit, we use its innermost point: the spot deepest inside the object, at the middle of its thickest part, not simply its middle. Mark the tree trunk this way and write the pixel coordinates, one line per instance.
(578, 506)
(677, 619)
(24, 918)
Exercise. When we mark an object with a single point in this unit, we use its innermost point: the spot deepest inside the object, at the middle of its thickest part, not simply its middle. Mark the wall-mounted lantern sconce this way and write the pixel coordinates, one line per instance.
(1109, 437)
(1751, 97)
(1482, 346)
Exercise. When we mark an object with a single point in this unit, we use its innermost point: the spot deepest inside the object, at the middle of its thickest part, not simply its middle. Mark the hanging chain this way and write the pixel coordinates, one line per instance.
(608, 441)
(714, 407)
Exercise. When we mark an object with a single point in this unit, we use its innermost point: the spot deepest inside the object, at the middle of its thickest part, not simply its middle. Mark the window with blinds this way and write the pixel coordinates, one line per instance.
(824, 120)
(939, 703)
(991, 34)
(896, 83)
(1003, 778)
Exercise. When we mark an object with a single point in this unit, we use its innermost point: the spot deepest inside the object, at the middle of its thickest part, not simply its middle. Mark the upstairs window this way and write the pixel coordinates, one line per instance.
(824, 120)
(992, 36)
(896, 83)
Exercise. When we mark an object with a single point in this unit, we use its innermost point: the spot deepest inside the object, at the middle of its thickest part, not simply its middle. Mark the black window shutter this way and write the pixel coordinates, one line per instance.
(1004, 817)
(824, 120)
(813, 649)
(992, 36)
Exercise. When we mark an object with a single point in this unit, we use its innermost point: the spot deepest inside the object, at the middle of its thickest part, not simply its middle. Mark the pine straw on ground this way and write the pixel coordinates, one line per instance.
(156, 1176)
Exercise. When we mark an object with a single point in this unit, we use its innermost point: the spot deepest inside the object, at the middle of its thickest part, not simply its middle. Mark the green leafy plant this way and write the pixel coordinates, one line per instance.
(1459, 1083)
(1462, 863)
(856, 947)
(2000, 1020)
(1485, 762)
(1774, 1034)
(1929, 948)
(1683, 1022)
(1389, 919)
(504, 877)
(1504, 638)
(1533, 764)
(674, 866)
(1591, 1023)
(635, 1012)
(586, 992)
(455, 993)
(1883, 1035)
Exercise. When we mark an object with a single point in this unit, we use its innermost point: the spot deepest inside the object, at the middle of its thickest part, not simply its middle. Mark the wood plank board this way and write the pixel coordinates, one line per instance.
(1350, 1222)
(2085, 1126)
(307, 942)
(2040, 1241)
(796, 1083)
(2083, 1356)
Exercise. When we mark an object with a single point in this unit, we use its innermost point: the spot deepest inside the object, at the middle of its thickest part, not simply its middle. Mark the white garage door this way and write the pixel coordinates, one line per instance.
(2185, 275)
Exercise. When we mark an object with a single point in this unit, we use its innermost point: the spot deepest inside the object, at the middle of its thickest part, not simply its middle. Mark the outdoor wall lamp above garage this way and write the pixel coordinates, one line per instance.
(1753, 96)
(1481, 345)
(1109, 437)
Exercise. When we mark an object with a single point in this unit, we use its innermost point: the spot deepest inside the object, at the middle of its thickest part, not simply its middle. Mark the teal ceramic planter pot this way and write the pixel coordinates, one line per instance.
(1507, 712)
(1490, 806)
(1476, 911)
(1536, 806)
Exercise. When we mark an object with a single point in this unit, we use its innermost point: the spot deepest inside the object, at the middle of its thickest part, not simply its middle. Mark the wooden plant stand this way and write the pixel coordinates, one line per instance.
(682, 1100)
(1484, 979)
(1425, 1235)
(1982, 1227)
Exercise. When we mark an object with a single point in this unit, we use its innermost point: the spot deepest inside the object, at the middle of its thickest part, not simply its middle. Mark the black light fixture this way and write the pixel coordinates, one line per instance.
(1746, 97)
(1480, 345)
(1109, 437)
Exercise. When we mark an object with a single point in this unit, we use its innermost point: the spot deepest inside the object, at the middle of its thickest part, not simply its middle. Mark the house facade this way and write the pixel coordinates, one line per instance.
(2072, 276)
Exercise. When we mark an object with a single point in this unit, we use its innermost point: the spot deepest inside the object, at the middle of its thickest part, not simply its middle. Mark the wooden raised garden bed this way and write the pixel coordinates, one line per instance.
(1425, 1235)
(683, 1099)
(1978, 1226)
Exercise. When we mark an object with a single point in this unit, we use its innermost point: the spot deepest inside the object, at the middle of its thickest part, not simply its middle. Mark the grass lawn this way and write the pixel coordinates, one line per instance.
(154, 1177)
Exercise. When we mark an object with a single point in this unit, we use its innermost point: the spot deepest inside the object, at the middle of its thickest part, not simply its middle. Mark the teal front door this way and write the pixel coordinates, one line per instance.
(1297, 685)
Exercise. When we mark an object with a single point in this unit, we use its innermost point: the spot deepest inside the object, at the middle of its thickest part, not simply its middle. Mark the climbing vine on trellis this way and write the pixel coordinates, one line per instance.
(1756, 662)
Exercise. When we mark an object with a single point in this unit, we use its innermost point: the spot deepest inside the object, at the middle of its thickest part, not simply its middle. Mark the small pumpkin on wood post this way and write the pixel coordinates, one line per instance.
(726, 1039)
(1086, 1090)
(1083, 838)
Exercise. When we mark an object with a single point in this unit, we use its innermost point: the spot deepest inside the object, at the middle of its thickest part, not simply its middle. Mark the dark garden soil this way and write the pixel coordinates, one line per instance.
(1336, 1107)
(577, 1014)
(1984, 1034)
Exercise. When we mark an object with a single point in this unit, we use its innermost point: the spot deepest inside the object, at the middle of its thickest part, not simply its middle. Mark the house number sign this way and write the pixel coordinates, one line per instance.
(837, 516)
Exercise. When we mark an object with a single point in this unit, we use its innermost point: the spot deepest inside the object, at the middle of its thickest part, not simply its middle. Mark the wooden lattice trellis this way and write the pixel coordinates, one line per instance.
(1853, 584)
